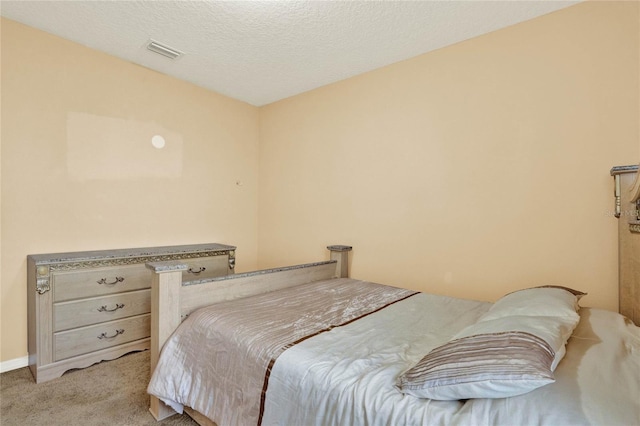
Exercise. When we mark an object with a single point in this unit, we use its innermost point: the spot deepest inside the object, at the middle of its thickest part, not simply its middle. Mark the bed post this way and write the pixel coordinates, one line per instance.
(165, 293)
(627, 192)
(341, 255)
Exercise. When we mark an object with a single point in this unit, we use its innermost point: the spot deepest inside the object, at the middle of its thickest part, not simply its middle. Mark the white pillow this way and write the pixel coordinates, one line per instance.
(539, 301)
(512, 349)
(549, 312)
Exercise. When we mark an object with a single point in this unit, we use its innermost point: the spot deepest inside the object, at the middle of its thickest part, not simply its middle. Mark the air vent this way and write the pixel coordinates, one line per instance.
(164, 50)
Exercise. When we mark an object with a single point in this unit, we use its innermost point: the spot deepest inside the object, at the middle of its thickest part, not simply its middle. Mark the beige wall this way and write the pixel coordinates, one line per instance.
(59, 99)
(470, 171)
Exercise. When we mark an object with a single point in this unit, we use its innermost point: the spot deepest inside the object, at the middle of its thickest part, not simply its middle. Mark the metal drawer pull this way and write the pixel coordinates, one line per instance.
(104, 334)
(104, 281)
(201, 269)
(103, 308)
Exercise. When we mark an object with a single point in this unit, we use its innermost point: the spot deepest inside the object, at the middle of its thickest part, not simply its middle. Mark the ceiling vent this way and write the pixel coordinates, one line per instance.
(164, 50)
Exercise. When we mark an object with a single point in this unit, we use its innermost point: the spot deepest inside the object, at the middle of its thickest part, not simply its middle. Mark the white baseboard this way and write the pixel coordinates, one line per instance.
(14, 364)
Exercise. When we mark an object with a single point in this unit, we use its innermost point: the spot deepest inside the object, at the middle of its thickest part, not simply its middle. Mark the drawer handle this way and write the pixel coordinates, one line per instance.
(104, 334)
(201, 269)
(103, 308)
(104, 281)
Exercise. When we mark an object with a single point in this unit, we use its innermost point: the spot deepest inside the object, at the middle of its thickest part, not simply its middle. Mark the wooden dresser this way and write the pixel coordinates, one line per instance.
(86, 307)
(627, 210)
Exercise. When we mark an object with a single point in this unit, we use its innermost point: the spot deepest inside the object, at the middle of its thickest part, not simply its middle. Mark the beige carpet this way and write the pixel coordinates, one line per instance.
(110, 393)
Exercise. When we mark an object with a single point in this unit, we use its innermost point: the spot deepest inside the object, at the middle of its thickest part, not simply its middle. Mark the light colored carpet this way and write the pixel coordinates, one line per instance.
(109, 393)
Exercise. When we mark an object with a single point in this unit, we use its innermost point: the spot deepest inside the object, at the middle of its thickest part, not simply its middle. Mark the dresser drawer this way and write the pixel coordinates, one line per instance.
(100, 309)
(100, 281)
(206, 267)
(83, 340)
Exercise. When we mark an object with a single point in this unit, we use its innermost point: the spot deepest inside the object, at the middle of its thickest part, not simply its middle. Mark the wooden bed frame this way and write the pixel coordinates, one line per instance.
(176, 300)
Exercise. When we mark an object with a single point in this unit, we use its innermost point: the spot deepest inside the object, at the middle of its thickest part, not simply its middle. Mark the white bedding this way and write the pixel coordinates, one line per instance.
(347, 375)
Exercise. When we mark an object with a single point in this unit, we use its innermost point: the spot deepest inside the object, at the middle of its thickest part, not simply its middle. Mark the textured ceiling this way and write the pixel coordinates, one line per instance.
(264, 51)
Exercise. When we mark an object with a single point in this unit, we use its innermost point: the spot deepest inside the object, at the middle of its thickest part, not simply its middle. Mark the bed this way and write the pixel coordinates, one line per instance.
(307, 345)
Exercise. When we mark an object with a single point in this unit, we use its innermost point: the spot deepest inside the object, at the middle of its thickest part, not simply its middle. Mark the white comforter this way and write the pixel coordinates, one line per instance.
(346, 376)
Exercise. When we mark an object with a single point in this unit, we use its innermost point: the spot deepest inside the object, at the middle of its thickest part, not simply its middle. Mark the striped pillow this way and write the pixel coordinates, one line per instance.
(494, 365)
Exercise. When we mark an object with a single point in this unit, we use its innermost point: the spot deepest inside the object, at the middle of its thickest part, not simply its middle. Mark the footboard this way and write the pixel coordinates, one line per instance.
(172, 300)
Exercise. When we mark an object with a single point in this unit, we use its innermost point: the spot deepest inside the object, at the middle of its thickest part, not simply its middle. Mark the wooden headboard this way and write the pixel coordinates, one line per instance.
(627, 210)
